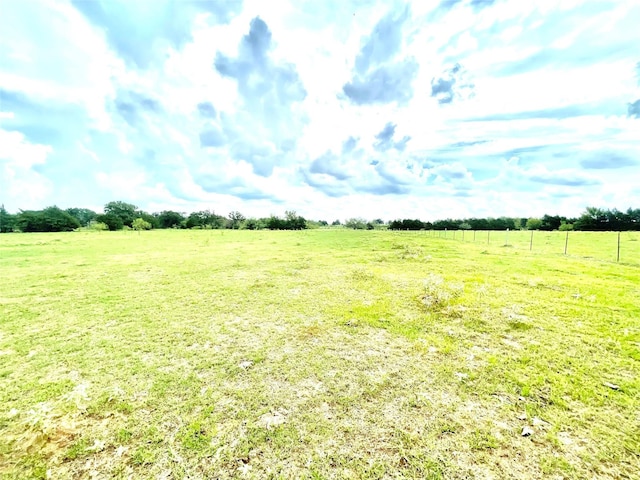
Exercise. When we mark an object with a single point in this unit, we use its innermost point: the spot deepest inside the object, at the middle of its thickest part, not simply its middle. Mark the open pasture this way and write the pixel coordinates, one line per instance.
(318, 354)
(595, 245)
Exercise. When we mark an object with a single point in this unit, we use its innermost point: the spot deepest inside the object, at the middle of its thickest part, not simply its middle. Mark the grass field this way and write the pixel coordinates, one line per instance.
(318, 354)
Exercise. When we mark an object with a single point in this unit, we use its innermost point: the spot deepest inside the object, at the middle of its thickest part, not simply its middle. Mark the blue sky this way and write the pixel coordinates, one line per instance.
(428, 109)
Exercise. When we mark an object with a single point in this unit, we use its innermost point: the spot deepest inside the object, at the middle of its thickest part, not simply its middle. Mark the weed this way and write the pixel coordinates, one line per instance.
(438, 294)
(482, 440)
(77, 449)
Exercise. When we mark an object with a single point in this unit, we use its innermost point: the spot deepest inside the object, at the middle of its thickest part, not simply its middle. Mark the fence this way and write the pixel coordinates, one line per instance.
(611, 246)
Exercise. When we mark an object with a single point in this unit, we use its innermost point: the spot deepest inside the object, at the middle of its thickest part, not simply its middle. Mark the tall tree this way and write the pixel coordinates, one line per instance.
(169, 219)
(125, 211)
(6, 220)
(112, 221)
(51, 219)
(204, 219)
(83, 215)
(235, 219)
(294, 221)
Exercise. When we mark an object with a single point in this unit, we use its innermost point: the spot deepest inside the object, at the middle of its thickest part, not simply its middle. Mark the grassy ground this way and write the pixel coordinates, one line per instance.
(596, 245)
(318, 354)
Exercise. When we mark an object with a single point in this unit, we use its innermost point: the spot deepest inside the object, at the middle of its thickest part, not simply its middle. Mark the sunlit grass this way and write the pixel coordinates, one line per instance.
(318, 354)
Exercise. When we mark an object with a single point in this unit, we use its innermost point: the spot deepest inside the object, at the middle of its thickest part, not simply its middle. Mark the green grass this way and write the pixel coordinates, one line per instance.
(318, 354)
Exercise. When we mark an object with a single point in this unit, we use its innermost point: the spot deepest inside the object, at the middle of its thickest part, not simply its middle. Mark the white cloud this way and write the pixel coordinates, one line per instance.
(21, 186)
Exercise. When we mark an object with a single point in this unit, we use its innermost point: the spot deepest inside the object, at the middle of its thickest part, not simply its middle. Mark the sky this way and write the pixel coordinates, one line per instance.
(335, 109)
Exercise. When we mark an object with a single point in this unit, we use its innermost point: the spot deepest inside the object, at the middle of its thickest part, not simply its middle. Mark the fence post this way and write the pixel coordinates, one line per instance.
(566, 242)
(488, 233)
(618, 258)
(531, 241)
(454, 234)
(463, 235)
(506, 238)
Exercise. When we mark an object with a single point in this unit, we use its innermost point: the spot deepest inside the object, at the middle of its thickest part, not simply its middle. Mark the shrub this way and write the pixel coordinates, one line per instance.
(97, 226)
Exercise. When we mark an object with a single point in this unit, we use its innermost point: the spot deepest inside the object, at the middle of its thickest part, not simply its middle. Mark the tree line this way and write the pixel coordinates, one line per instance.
(592, 219)
(118, 215)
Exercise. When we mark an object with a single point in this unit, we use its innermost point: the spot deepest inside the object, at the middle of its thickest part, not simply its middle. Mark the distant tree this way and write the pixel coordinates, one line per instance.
(111, 220)
(633, 218)
(335, 223)
(447, 224)
(140, 224)
(125, 211)
(600, 219)
(169, 219)
(323, 223)
(533, 224)
(293, 221)
(502, 223)
(378, 221)
(593, 219)
(254, 224)
(195, 220)
(356, 223)
(478, 223)
(550, 222)
(30, 221)
(152, 220)
(7, 221)
(465, 226)
(406, 224)
(205, 219)
(83, 215)
(564, 226)
(370, 226)
(51, 219)
(275, 223)
(235, 220)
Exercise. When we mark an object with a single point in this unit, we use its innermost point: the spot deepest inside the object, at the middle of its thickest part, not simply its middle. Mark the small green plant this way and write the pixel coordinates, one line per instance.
(77, 449)
(483, 440)
(194, 436)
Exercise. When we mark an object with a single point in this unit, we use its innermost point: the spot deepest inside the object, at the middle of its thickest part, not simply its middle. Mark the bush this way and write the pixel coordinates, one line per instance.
(97, 226)
(141, 224)
(112, 221)
(564, 227)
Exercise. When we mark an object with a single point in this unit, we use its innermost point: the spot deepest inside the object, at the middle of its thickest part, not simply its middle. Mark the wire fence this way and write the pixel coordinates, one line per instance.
(621, 247)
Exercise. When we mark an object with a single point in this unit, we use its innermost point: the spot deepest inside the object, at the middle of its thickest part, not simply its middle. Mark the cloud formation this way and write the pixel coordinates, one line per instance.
(141, 33)
(381, 74)
(453, 84)
(385, 139)
(334, 109)
(269, 91)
